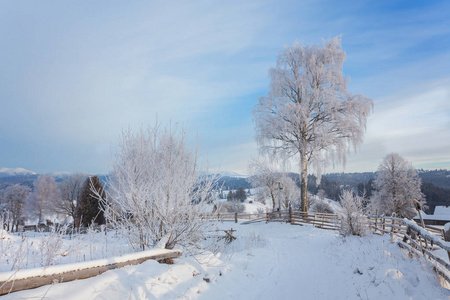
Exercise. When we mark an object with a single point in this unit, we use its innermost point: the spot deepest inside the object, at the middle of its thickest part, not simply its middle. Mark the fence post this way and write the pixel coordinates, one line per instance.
(446, 234)
(392, 227)
(290, 213)
(235, 217)
(376, 220)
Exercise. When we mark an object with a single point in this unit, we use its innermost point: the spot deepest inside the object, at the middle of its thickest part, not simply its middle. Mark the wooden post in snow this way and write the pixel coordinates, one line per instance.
(376, 220)
(446, 234)
(418, 208)
(290, 213)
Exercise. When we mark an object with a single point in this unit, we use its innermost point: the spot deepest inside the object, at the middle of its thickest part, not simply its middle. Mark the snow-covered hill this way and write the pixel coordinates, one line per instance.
(266, 261)
(4, 172)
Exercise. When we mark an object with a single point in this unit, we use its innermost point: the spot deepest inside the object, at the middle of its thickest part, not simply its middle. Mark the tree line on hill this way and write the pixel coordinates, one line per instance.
(435, 185)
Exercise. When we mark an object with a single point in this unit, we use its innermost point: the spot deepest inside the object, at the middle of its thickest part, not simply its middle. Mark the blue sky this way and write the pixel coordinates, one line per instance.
(74, 73)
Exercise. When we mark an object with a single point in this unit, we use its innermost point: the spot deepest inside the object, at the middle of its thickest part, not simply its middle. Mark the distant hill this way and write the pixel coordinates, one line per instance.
(7, 172)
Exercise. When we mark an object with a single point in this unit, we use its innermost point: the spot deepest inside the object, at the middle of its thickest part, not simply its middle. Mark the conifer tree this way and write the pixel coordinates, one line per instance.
(230, 196)
(240, 194)
(88, 207)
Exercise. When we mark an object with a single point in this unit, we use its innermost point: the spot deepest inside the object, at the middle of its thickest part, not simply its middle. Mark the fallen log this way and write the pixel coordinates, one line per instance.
(32, 278)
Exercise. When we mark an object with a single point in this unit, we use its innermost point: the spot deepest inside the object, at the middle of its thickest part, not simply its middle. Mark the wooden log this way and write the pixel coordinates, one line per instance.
(34, 282)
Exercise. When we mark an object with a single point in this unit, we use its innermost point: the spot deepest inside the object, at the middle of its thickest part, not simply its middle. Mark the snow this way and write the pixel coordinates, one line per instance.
(58, 269)
(442, 211)
(14, 172)
(267, 261)
(447, 227)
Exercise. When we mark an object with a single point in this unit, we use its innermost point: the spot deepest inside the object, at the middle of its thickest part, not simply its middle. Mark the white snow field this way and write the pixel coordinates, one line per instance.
(267, 261)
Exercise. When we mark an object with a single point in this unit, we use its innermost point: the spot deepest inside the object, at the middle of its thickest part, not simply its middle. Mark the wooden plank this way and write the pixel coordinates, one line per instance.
(34, 282)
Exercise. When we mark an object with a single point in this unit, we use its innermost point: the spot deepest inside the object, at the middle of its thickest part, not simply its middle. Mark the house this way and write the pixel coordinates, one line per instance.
(440, 217)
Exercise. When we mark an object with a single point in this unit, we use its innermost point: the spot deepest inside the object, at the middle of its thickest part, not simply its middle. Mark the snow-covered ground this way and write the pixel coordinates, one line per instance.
(267, 261)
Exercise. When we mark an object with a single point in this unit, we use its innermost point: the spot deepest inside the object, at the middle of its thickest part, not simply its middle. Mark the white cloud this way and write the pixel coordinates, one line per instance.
(413, 125)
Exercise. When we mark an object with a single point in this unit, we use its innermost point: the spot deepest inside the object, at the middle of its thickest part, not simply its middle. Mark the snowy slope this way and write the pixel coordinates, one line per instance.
(267, 261)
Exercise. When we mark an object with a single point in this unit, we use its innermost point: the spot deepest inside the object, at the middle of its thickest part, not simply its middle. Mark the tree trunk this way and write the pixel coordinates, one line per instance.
(273, 200)
(304, 182)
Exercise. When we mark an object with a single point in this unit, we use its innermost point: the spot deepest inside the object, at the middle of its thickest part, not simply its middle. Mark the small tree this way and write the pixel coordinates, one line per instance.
(290, 194)
(240, 194)
(14, 202)
(70, 189)
(396, 185)
(308, 111)
(45, 193)
(264, 174)
(89, 208)
(230, 196)
(354, 222)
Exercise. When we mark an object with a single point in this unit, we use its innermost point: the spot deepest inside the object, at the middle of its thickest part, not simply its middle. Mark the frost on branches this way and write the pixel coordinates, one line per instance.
(396, 185)
(354, 222)
(155, 194)
(308, 111)
(265, 176)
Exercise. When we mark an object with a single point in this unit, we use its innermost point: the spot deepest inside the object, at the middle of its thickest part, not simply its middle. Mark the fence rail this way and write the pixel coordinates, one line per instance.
(322, 220)
(421, 241)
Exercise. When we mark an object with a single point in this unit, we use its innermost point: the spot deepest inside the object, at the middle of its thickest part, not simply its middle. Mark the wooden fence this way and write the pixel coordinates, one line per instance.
(321, 220)
(420, 241)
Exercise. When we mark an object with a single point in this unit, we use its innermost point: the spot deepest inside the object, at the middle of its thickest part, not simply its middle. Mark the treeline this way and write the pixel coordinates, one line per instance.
(433, 186)
(71, 199)
(233, 183)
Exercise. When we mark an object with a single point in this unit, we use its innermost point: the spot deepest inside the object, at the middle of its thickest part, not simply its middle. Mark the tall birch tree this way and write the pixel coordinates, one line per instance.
(308, 112)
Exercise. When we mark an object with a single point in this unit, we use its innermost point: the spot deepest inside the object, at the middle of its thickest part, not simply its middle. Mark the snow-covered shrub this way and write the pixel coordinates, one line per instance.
(50, 246)
(320, 206)
(232, 207)
(156, 190)
(354, 222)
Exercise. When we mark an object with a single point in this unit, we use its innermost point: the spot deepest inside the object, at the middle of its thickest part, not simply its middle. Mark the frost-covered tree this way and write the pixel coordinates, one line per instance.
(354, 222)
(396, 185)
(264, 174)
(155, 194)
(69, 192)
(14, 198)
(45, 192)
(308, 111)
(290, 194)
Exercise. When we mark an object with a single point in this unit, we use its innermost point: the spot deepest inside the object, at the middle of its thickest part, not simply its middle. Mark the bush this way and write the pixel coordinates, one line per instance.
(321, 206)
(354, 222)
(232, 207)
